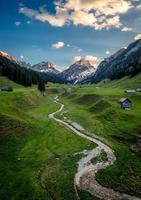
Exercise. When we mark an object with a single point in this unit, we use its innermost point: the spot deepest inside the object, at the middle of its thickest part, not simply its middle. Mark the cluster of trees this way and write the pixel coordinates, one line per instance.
(41, 86)
(18, 74)
(26, 77)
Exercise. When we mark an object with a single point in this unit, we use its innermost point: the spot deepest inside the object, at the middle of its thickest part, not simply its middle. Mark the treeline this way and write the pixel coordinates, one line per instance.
(24, 76)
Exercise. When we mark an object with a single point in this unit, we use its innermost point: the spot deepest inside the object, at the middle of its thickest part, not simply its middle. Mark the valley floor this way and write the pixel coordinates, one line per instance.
(38, 157)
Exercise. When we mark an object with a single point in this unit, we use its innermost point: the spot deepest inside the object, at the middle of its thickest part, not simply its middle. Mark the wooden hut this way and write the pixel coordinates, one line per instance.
(126, 104)
(6, 88)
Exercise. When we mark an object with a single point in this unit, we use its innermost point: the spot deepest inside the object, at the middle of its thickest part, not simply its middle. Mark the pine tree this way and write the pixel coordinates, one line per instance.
(41, 86)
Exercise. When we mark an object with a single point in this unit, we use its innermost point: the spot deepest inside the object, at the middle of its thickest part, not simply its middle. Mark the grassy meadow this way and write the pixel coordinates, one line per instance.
(97, 109)
(37, 158)
(36, 154)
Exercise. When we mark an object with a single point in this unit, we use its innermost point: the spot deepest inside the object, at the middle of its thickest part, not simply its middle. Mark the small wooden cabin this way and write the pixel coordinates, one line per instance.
(126, 104)
(130, 91)
(6, 88)
(138, 90)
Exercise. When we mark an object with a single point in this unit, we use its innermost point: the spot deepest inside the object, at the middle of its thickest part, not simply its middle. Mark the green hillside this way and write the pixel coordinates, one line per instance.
(125, 82)
(5, 81)
(96, 108)
(37, 155)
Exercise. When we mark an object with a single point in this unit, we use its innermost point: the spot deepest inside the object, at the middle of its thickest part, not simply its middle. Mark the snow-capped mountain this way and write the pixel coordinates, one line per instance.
(24, 64)
(126, 61)
(46, 67)
(78, 71)
(18, 71)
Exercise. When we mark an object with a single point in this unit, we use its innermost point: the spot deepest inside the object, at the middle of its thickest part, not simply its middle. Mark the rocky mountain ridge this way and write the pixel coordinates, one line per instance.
(46, 67)
(78, 71)
(125, 62)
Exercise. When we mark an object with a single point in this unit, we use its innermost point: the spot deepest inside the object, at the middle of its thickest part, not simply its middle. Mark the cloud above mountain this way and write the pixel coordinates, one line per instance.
(17, 23)
(92, 59)
(137, 37)
(139, 7)
(93, 13)
(107, 52)
(58, 45)
(126, 29)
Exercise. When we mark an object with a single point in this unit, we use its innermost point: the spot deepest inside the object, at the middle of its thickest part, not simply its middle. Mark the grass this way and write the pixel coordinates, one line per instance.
(36, 153)
(4, 81)
(96, 108)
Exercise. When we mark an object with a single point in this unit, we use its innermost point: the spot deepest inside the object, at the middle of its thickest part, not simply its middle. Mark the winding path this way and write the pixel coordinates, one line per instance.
(85, 176)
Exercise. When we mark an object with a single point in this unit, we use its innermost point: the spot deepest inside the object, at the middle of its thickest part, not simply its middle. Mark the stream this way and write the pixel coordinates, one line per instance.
(85, 177)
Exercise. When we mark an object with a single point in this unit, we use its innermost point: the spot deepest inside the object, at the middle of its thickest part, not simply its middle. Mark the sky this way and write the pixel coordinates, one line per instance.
(63, 31)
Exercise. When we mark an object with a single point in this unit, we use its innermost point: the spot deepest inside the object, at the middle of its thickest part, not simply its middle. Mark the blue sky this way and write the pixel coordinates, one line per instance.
(62, 31)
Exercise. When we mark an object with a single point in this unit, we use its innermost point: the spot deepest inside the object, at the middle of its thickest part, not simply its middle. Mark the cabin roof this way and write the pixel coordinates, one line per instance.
(6, 88)
(130, 91)
(123, 99)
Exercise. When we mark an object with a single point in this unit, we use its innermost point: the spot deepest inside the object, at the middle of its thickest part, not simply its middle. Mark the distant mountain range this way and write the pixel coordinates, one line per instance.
(20, 71)
(75, 73)
(126, 61)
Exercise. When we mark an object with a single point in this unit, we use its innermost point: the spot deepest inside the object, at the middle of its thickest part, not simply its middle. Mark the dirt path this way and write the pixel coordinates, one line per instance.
(85, 176)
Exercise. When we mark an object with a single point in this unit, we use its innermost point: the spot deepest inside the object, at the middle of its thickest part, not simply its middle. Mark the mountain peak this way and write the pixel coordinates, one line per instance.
(46, 63)
(6, 55)
(45, 66)
(83, 62)
(78, 70)
(24, 64)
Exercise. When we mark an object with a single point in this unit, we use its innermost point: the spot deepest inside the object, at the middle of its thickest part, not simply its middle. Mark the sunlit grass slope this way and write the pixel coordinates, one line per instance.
(96, 108)
(36, 154)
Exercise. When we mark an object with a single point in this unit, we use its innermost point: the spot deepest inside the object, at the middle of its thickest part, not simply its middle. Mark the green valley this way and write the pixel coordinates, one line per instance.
(39, 156)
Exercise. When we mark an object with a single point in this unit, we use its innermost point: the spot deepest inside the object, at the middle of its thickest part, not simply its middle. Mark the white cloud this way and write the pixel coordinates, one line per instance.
(92, 59)
(74, 47)
(107, 52)
(79, 50)
(109, 6)
(28, 22)
(17, 23)
(58, 45)
(137, 37)
(139, 7)
(77, 58)
(83, 18)
(97, 14)
(21, 57)
(55, 20)
(126, 29)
